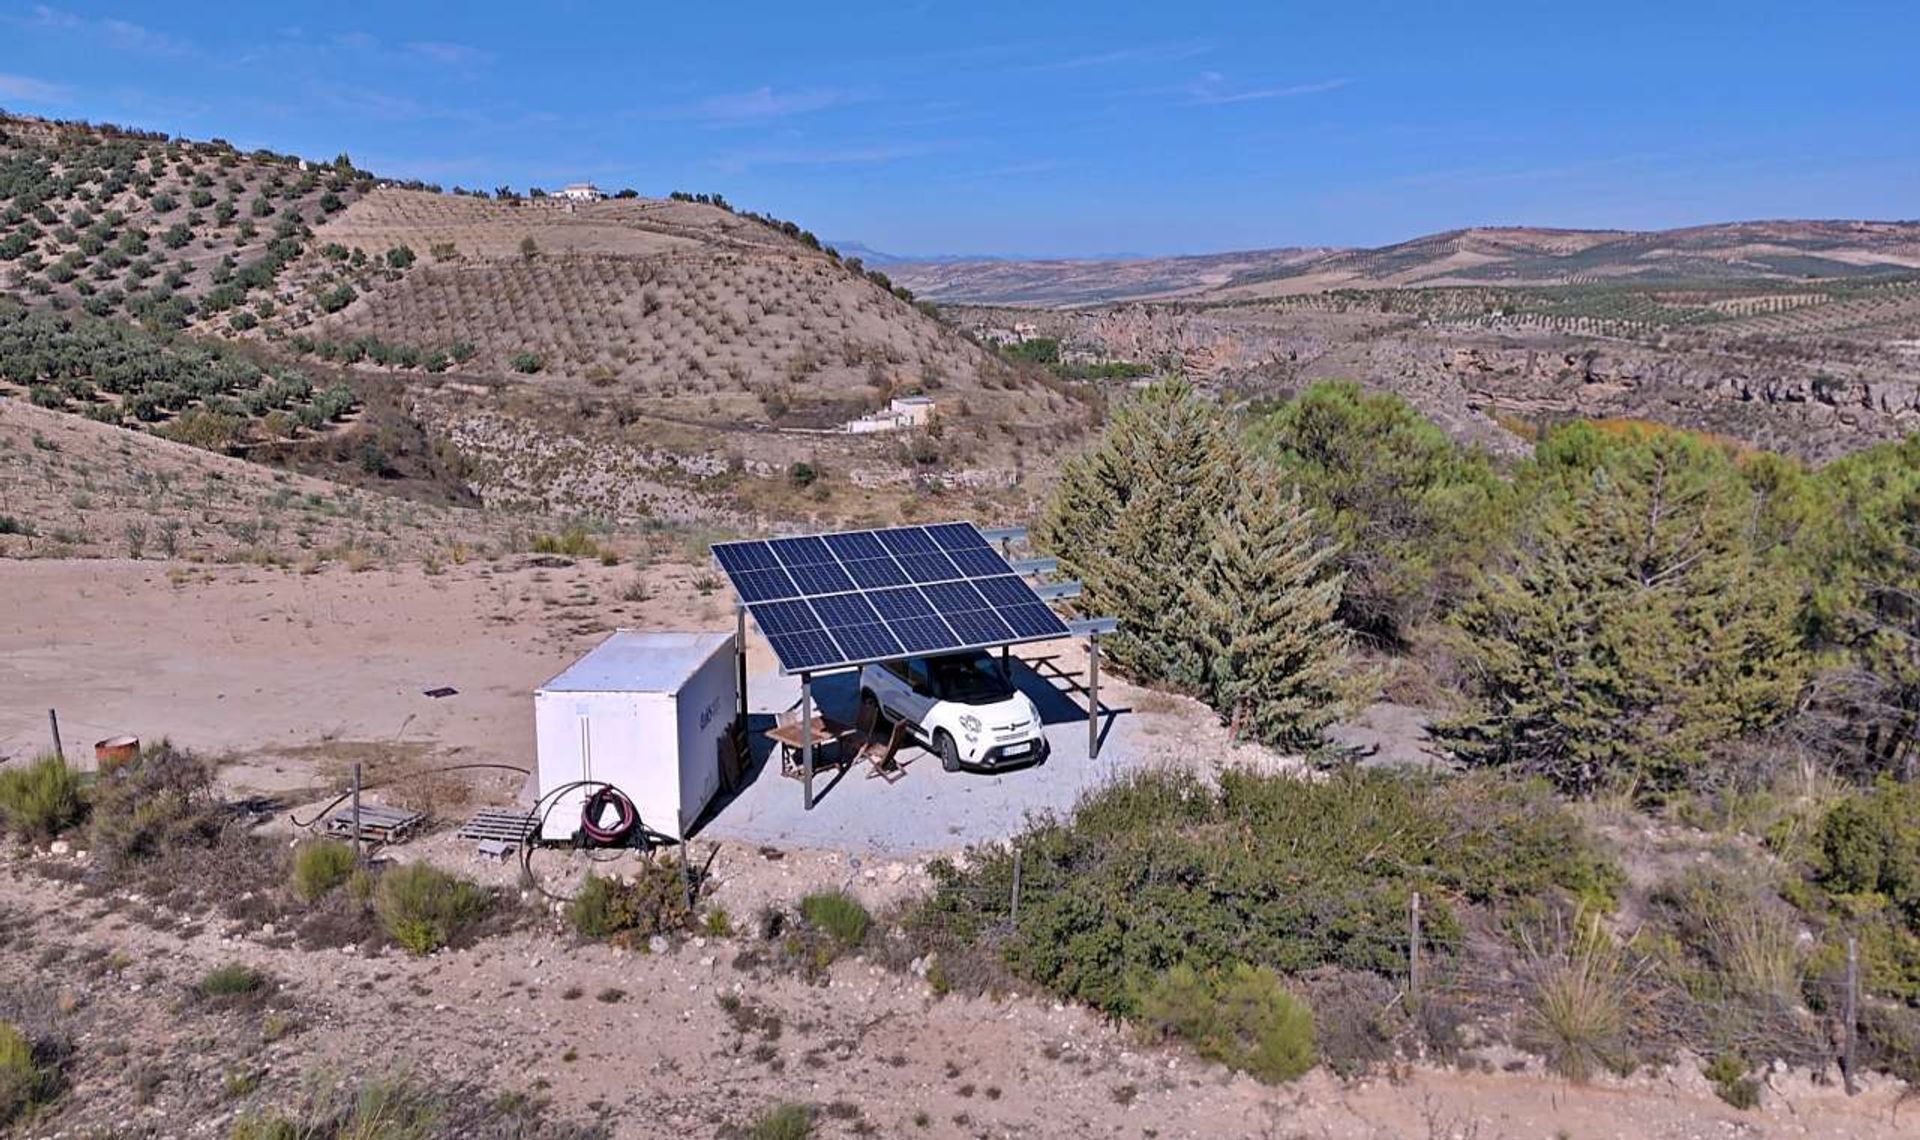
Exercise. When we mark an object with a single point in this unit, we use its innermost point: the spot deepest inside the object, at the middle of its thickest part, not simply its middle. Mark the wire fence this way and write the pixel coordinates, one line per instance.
(1429, 967)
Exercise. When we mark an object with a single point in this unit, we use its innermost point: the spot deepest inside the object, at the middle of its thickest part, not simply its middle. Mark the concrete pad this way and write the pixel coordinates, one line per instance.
(928, 809)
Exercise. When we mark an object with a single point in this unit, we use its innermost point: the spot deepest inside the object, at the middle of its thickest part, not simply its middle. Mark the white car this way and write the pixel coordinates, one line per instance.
(961, 707)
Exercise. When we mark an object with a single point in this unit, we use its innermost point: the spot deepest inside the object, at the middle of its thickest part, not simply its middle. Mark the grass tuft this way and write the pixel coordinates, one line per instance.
(42, 799)
(424, 908)
(320, 866)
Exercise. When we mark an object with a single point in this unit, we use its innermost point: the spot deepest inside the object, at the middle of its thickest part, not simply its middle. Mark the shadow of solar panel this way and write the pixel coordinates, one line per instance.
(866, 642)
(783, 617)
(801, 651)
(907, 540)
(875, 573)
(836, 610)
(763, 585)
(738, 556)
(923, 634)
(957, 536)
(935, 567)
(806, 550)
(1031, 619)
(952, 597)
(979, 627)
(978, 562)
(906, 603)
(859, 544)
(820, 579)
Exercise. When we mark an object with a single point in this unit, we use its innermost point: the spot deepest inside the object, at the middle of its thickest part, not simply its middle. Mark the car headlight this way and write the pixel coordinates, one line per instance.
(971, 723)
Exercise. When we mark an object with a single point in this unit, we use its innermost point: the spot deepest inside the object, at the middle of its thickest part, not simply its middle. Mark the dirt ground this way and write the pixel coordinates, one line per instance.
(286, 676)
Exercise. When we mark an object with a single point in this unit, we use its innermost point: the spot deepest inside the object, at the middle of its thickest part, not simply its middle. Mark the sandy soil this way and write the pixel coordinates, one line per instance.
(531, 1011)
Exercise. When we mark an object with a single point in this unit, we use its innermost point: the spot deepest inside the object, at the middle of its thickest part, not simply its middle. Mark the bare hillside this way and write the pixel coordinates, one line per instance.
(1764, 250)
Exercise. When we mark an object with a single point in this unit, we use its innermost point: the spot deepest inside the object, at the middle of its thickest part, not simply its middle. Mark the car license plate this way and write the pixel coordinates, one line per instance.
(1017, 749)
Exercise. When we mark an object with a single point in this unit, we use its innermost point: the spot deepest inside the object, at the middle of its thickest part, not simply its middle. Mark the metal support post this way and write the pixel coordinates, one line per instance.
(1413, 949)
(53, 722)
(806, 739)
(740, 662)
(359, 857)
(1093, 698)
(1850, 1014)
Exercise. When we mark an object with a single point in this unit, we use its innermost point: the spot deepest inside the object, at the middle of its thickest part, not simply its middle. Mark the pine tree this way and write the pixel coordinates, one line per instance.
(1265, 603)
(1639, 624)
(1131, 521)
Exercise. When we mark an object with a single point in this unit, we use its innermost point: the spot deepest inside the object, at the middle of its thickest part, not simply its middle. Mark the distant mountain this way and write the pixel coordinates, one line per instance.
(1763, 250)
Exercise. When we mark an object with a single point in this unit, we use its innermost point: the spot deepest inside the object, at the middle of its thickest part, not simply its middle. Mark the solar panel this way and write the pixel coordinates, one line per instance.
(836, 600)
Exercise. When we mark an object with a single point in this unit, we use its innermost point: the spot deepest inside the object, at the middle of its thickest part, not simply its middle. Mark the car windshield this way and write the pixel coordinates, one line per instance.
(972, 680)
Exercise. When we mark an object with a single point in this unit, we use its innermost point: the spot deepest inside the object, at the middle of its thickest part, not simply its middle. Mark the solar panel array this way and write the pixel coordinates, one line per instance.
(831, 600)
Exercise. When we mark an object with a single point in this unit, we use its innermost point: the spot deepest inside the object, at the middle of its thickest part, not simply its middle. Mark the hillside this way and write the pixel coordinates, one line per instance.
(627, 358)
(1764, 250)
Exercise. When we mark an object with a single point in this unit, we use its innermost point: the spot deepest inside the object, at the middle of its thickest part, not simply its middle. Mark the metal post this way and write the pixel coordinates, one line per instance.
(53, 722)
(740, 661)
(1006, 662)
(1850, 1014)
(1093, 698)
(806, 739)
(1413, 949)
(1015, 904)
(686, 871)
(358, 856)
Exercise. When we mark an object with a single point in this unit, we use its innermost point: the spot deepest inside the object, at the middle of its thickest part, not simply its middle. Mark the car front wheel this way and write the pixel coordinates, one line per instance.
(949, 752)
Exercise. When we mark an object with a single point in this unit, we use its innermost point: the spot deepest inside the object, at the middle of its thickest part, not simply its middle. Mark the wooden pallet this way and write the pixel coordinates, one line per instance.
(501, 824)
(377, 824)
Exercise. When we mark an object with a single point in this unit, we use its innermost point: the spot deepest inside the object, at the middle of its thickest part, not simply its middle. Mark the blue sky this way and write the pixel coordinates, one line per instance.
(1048, 129)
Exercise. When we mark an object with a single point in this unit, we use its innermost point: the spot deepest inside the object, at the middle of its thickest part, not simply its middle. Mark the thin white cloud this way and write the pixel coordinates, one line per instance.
(1144, 54)
(762, 104)
(31, 90)
(1210, 89)
(123, 35)
(450, 54)
(741, 161)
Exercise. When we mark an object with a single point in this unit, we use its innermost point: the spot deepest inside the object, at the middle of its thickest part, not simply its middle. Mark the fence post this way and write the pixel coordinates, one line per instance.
(1413, 948)
(1015, 907)
(53, 722)
(358, 857)
(1850, 1013)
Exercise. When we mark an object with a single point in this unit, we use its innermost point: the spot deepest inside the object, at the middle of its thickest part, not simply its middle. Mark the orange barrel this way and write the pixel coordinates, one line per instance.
(115, 752)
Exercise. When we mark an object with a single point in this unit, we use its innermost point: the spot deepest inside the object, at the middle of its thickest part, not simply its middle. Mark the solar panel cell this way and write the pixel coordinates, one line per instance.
(859, 544)
(923, 634)
(876, 573)
(957, 536)
(866, 642)
(907, 540)
(844, 609)
(783, 617)
(1004, 590)
(763, 585)
(1032, 620)
(935, 567)
(806, 550)
(737, 556)
(951, 597)
(978, 562)
(823, 578)
(800, 651)
(979, 627)
(906, 603)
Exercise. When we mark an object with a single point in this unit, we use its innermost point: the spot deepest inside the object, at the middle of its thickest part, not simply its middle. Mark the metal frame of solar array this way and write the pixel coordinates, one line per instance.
(833, 601)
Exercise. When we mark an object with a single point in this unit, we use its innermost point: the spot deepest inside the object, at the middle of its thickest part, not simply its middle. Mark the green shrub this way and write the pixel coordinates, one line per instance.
(574, 542)
(1728, 1075)
(527, 362)
(162, 801)
(263, 1126)
(783, 1122)
(424, 908)
(231, 981)
(320, 866)
(25, 1083)
(1580, 1002)
(41, 799)
(837, 914)
(1242, 1017)
(1279, 872)
(655, 902)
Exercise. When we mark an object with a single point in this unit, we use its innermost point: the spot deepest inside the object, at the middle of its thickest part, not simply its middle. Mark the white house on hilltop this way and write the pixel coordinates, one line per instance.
(580, 192)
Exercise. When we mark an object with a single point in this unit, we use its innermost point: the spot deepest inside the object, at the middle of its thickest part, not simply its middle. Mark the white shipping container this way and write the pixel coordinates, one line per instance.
(645, 712)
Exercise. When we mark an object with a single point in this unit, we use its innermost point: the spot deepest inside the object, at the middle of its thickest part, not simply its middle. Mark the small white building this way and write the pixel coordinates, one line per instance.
(902, 412)
(580, 192)
(645, 712)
